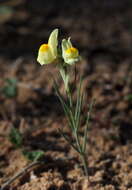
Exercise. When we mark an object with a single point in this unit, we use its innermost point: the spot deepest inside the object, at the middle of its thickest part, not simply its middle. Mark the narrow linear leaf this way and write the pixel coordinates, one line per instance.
(87, 125)
(78, 105)
(68, 140)
(66, 109)
(79, 111)
(78, 98)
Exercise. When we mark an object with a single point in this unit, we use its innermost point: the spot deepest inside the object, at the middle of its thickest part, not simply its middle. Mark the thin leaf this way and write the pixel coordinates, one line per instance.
(78, 106)
(66, 109)
(79, 111)
(68, 140)
(87, 124)
(78, 98)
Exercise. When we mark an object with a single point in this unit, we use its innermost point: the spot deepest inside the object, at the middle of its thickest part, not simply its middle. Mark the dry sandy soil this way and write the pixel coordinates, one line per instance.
(104, 37)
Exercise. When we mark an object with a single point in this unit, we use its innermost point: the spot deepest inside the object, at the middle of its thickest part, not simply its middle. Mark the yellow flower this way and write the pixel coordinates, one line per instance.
(48, 52)
(70, 54)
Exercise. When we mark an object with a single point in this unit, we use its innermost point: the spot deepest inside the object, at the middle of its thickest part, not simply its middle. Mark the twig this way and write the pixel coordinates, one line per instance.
(19, 174)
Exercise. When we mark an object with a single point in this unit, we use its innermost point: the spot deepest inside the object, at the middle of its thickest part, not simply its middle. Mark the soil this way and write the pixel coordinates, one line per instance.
(104, 37)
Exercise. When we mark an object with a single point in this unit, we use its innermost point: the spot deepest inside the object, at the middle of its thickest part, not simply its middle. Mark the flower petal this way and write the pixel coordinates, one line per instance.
(69, 53)
(69, 43)
(53, 42)
(45, 57)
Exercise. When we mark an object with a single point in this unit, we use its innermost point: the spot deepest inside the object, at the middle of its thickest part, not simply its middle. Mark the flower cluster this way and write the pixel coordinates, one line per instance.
(67, 55)
(48, 53)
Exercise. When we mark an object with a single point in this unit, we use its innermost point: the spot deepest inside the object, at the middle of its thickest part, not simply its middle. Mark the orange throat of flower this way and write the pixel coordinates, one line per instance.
(44, 48)
(72, 52)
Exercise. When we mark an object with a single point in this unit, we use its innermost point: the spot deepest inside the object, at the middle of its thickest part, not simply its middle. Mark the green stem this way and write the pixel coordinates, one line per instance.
(77, 146)
(68, 140)
(78, 142)
(82, 156)
(69, 97)
(85, 164)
